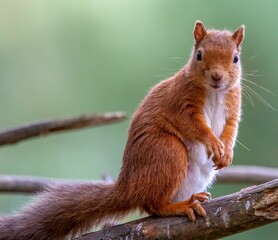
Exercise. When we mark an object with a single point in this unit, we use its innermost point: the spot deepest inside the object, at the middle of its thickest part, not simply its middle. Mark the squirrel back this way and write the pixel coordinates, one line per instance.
(180, 135)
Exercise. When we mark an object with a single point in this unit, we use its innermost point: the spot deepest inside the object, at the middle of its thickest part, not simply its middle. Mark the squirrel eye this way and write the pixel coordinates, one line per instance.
(199, 56)
(236, 58)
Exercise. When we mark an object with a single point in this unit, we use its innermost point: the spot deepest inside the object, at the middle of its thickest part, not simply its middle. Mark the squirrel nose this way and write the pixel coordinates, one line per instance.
(216, 76)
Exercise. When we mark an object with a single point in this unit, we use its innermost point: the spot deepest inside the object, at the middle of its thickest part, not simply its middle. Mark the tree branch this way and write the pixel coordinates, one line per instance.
(17, 134)
(30, 184)
(250, 208)
(25, 184)
(247, 174)
(233, 174)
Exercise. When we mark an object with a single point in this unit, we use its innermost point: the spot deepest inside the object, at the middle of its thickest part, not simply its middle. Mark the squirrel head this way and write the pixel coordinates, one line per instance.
(215, 59)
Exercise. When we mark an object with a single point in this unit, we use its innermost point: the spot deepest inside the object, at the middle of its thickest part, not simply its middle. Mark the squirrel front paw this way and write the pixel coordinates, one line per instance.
(214, 145)
(225, 161)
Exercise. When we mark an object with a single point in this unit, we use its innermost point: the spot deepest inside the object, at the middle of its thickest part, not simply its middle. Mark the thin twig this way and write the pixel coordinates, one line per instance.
(20, 133)
(233, 174)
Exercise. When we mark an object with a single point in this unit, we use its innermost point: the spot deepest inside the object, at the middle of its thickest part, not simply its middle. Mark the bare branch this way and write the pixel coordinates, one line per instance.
(24, 184)
(247, 174)
(30, 184)
(228, 215)
(234, 174)
(46, 127)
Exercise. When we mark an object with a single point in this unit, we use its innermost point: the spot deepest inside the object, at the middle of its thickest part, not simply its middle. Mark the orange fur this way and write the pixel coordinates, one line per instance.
(175, 116)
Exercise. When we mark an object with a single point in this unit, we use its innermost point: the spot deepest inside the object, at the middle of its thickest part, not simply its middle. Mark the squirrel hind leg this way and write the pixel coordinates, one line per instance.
(186, 207)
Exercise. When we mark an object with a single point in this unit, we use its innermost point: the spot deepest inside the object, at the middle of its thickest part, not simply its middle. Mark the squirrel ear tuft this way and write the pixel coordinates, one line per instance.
(238, 35)
(199, 32)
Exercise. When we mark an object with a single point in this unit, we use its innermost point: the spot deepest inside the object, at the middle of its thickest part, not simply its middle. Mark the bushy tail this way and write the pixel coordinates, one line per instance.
(63, 210)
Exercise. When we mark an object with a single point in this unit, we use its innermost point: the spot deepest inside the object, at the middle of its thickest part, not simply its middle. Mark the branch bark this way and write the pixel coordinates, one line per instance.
(17, 134)
(250, 208)
(233, 174)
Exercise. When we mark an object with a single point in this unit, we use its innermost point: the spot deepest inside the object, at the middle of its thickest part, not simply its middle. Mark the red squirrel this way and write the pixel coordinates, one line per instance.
(182, 133)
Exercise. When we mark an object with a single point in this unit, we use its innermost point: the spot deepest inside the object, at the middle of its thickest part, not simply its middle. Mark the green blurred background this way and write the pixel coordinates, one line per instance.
(65, 58)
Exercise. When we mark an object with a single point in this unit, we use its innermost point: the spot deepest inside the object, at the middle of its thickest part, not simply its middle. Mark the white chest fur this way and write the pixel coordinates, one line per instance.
(200, 173)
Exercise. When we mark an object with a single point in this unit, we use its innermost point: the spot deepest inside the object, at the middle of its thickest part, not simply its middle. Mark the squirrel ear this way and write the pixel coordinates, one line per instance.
(199, 32)
(238, 35)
